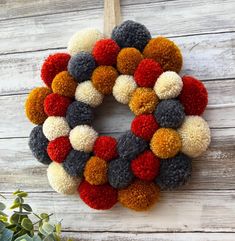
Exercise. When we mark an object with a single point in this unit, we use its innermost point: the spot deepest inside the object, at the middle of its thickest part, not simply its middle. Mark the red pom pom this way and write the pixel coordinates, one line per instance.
(56, 105)
(59, 148)
(99, 197)
(144, 126)
(194, 96)
(146, 166)
(105, 147)
(147, 73)
(106, 51)
(53, 65)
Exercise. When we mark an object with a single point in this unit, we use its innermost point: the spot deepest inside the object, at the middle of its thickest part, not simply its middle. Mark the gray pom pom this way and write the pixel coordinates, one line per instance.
(79, 113)
(174, 172)
(81, 66)
(75, 163)
(129, 146)
(119, 173)
(170, 113)
(131, 34)
(38, 145)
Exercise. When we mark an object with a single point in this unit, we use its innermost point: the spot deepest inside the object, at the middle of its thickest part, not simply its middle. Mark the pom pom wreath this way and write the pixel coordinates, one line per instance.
(129, 146)
(119, 173)
(139, 196)
(59, 148)
(100, 197)
(147, 73)
(75, 162)
(144, 126)
(96, 171)
(38, 145)
(123, 88)
(169, 113)
(194, 96)
(168, 85)
(165, 52)
(79, 113)
(34, 105)
(128, 60)
(146, 166)
(53, 65)
(195, 136)
(174, 172)
(82, 138)
(105, 52)
(64, 84)
(81, 66)
(54, 127)
(105, 147)
(84, 40)
(143, 101)
(165, 143)
(88, 94)
(103, 79)
(60, 181)
(131, 34)
(56, 105)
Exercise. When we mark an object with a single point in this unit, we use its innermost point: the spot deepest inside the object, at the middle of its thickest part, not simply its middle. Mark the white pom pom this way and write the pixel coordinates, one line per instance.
(124, 87)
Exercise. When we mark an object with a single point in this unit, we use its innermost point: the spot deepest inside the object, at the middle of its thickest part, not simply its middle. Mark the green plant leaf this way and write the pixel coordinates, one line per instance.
(58, 228)
(25, 237)
(14, 205)
(2, 206)
(27, 208)
(2, 226)
(22, 194)
(50, 237)
(22, 213)
(7, 235)
(40, 229)
(48, 228)
(14, 218)
(36, 238)
(44, 216)
(27, 224)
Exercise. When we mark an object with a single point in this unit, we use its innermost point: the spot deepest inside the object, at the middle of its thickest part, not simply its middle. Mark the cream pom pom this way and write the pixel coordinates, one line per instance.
(124, 87)
(55, 126)
(168, 85)
(87, 93)
(195, 136)
(84, 40)
(60, 180)
(82, 138)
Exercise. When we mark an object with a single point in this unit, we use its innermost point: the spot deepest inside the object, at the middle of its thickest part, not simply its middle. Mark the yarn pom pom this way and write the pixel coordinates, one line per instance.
(139, 196)
(105, 147)
(119, 173)
(168, 85)
(143, 101)
(75, 162)
(96, 171)
(64, 84)
(128, 60)
(84, 40)
(146, 166)
(60, 181)
(56, 105)
(38, 145)
(144, 126)
(79, 113)
(34, 105)
(105, 52)
(165, 143)
(123, 88)
(59, 148)
(147, 73)
(169, 113)
(53, 65)
(82, 138)
(131, 34)
(129, 146)
(81, 66)
(194, 96)
(100, 197)
(54, 127)
(103, 79)
(195, 136)
(174, 172)
(87, 93)
(165, 52)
